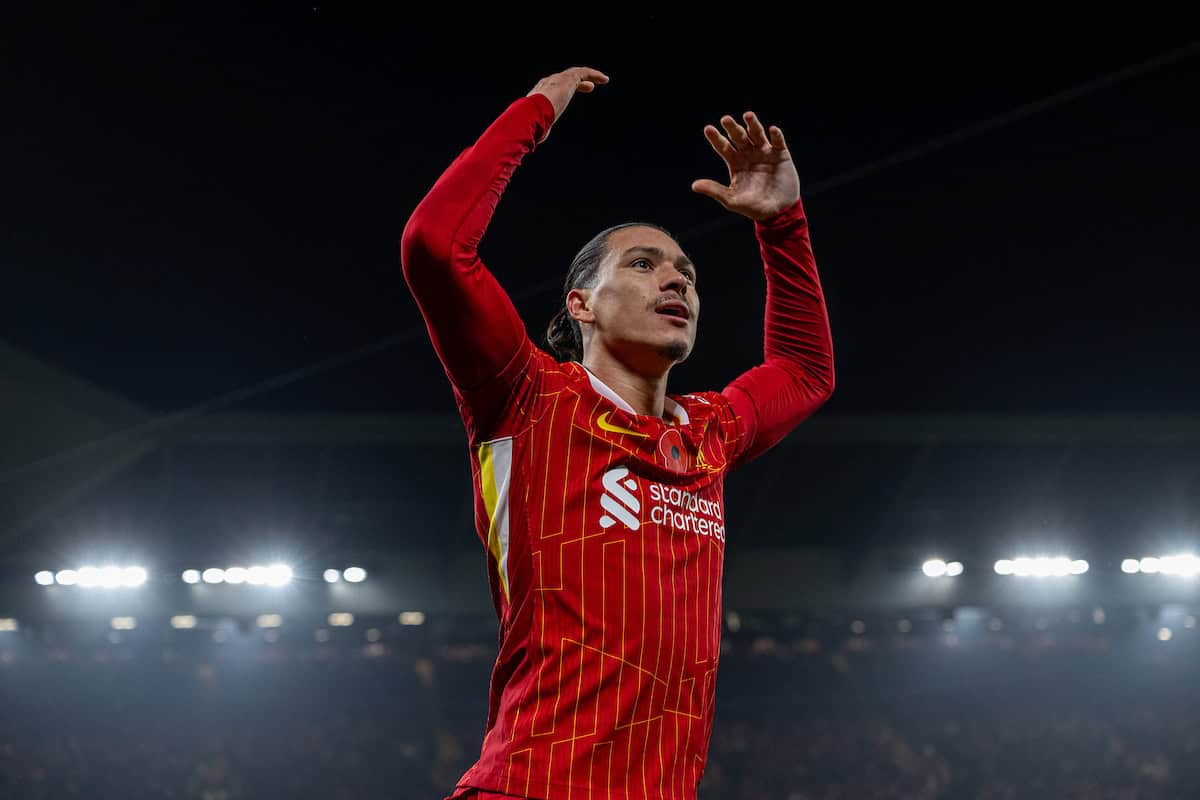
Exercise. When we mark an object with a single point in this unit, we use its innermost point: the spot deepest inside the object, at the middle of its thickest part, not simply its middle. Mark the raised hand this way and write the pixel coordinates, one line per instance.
(762, 178)
(560, 87)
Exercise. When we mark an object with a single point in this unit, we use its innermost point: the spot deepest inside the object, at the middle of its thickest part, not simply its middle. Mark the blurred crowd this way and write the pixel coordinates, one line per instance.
(794, 723)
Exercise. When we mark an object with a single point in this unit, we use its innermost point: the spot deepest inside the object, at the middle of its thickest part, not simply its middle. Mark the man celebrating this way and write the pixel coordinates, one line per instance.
(598, 497)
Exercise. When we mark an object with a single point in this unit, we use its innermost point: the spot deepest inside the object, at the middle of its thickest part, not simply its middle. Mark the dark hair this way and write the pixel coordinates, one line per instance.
(563, 335)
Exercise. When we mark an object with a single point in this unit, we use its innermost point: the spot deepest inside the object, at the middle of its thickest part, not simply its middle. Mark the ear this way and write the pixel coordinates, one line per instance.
(579, 305)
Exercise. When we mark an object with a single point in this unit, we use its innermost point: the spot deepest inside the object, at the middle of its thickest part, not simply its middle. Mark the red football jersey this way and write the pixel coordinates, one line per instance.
(606, 535)
(604, 529)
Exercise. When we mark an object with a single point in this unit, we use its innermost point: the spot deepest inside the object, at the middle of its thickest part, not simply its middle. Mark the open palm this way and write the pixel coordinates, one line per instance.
(762, 178)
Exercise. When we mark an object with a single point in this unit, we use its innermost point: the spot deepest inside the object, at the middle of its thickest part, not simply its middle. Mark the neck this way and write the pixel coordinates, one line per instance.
(646, 392)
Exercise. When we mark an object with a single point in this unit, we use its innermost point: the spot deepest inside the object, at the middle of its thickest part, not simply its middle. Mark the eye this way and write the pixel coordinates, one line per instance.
(691, 276)
(643, 263)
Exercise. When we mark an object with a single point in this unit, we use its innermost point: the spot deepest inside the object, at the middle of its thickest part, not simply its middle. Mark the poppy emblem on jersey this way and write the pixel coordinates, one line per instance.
(670, 451)
(604, 424)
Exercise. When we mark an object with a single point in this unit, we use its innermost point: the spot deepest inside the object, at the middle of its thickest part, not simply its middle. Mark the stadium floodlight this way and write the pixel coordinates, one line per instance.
(1164, 634)
(133, 577)
(9, 624)
(355, 574)
(67, 577)
(44, 578)
(1041, 567)
(341, 619)
(278, 575)
(937, 568)
(256, 575)
(183, 622)
(1184, 565)
(89, 577)
(191, 576)
(111, 577)
(412, 618)
(123, 623)
(235, 575)
(214, 575)
(332, 576)
(269, 620)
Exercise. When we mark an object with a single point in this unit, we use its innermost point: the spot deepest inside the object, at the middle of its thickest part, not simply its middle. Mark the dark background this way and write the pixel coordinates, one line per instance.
(196, 202)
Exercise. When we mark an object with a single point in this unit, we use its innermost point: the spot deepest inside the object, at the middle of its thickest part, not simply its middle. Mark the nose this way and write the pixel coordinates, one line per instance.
(675, 280)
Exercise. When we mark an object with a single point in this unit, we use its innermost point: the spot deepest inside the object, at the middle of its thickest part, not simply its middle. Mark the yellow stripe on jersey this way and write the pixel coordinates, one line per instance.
(495, 473)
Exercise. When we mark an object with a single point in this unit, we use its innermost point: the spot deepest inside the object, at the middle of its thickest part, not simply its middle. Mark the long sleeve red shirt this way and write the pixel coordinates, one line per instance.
(604, 529)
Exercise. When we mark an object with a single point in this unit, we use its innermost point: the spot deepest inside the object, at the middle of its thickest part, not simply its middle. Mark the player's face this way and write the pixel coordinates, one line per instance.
(645, 304)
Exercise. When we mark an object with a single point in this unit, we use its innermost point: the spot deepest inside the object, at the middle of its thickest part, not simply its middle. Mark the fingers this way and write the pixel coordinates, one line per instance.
(587, 76)
(716, 191)
(719, 143)
(737, 134)
(777, 139)
(754, 128)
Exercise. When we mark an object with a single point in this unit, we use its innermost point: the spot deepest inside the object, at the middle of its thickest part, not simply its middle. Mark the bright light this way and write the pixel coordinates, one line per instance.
(269, 620)
(1164, 634)
(341, 619)
(257, 575)
(1184, 564)
(67, 577)
(133, 576)
(934, 568)
(111, 577)
(355, 574)
(124, 623)
(733, 621)
(8, 624)
(332, 576)
(183, 622)
(418, 618)
(235, 575)
(214, 575)
(280, 575)
(1041, 567)
(44, 578)
(89, 577)
(954, 569)
(191, 576)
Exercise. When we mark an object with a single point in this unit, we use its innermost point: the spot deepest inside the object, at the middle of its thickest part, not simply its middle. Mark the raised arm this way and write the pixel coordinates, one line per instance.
(471, 321)
(797, 375)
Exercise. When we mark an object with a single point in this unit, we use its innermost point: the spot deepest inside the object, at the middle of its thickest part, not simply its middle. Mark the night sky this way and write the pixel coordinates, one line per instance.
(194, 204)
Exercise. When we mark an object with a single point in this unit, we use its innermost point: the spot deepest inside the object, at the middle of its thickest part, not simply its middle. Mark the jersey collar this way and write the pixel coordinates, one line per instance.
(669, 405)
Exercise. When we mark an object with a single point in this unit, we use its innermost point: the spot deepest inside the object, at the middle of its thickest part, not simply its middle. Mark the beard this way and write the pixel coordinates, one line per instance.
(675, 352)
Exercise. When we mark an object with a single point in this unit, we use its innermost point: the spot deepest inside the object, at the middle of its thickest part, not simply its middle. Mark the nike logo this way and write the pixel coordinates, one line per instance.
(604, 424)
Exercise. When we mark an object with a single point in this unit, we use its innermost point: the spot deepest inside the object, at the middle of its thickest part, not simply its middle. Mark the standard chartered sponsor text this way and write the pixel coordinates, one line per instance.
(684, 511)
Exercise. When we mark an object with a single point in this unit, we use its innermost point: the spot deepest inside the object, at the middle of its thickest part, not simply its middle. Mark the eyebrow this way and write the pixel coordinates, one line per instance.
(682, 261)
